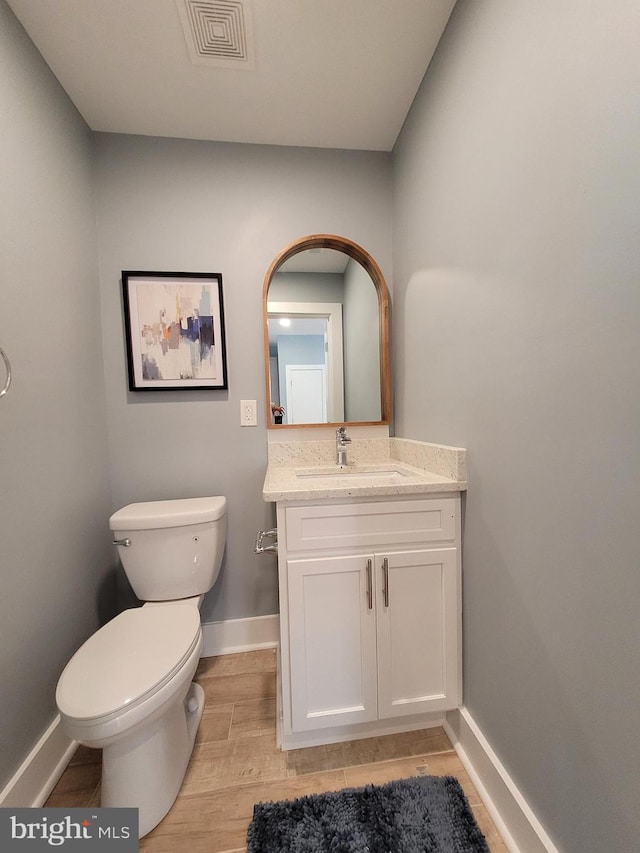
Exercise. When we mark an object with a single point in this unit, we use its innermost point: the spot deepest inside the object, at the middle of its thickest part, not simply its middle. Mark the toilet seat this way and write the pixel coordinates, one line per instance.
(127, 661)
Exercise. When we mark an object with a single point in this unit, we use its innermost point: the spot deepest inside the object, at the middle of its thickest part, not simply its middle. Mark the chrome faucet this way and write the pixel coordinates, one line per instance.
(342, 439)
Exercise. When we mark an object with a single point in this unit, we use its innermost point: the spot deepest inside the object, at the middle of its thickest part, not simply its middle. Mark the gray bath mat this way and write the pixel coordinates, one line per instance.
(425, 814)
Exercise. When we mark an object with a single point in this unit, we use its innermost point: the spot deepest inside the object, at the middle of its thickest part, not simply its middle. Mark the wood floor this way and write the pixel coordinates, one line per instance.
(236, 763)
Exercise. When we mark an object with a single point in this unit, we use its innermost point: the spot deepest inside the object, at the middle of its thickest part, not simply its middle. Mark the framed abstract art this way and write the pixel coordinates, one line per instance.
(174, 325)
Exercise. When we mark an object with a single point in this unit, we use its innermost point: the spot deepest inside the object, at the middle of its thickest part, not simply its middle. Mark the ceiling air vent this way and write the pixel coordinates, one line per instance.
(218, 32)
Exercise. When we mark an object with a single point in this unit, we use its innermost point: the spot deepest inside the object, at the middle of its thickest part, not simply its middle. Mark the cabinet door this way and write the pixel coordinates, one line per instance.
(417, 632)
(332, 633)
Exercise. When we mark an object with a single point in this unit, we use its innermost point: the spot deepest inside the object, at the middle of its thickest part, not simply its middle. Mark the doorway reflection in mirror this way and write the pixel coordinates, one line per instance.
(330, 342)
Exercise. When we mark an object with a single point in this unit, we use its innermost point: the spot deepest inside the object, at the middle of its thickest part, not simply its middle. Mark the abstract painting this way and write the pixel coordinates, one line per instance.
(175, 331)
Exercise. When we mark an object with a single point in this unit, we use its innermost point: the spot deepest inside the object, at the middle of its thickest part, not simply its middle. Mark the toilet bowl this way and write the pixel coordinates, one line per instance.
(128, 690)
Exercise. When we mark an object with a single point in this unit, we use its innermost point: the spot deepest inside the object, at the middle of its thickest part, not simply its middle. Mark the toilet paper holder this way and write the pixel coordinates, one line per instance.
(260, 547)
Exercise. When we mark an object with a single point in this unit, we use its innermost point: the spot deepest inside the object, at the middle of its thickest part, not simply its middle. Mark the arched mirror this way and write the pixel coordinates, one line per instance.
(326, 335)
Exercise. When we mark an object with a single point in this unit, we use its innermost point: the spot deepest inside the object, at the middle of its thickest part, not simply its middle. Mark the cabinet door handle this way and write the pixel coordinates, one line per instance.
(369, 585)
(385, 575)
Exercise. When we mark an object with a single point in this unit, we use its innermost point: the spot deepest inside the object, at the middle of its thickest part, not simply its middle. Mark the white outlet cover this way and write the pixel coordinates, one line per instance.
(248, 413)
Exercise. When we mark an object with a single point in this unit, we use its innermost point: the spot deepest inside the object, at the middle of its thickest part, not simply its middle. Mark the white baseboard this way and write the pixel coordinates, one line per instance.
(240, 635)
(518, 826)
(38, 774)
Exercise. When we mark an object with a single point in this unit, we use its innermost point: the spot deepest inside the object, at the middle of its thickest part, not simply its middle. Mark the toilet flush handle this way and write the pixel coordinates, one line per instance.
(124, 542)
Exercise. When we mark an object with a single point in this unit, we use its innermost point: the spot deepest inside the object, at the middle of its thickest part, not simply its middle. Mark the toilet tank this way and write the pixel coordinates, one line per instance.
(171, 549)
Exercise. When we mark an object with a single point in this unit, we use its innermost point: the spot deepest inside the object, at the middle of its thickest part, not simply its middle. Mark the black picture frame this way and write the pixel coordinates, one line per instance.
(175, 332)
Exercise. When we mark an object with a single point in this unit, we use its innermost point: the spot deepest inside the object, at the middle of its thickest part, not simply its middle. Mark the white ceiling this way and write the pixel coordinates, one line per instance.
(327, 73)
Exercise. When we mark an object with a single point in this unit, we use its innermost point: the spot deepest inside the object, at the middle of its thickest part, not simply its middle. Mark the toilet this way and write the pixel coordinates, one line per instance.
(129, 689)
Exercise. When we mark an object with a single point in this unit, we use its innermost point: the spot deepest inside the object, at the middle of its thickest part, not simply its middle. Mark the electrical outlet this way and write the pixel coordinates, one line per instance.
(248, 413)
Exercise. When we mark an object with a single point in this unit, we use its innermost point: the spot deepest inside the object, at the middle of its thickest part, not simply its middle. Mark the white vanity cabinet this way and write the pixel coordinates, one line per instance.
(370, 615)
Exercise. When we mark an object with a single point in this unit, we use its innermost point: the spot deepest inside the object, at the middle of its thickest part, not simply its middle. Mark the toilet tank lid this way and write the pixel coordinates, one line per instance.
(177, 513)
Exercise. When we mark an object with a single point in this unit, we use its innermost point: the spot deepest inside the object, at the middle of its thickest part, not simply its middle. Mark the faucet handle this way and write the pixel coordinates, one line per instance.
(341, 435)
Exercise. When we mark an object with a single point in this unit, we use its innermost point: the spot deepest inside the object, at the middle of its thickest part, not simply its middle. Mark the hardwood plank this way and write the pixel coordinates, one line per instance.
(86, 755)
(254, 716)
(441, 764)
(241, 687)
(221, 764)
(263, 660)
(215, 723)
(76, 787)
(224, 815)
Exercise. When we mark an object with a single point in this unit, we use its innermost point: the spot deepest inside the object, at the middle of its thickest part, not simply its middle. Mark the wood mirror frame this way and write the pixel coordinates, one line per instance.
(348, 247)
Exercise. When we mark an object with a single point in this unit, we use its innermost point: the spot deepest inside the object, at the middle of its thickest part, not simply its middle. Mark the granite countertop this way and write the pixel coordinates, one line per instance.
(399, 467)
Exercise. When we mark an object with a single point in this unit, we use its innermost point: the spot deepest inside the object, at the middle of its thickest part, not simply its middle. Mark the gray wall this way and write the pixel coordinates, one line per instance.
(307, 287)
(54, 551)
(214, 207)
(361, 345)
(516, 303)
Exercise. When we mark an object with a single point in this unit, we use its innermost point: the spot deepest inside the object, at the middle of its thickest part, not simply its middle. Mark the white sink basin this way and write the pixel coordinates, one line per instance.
(387, 475)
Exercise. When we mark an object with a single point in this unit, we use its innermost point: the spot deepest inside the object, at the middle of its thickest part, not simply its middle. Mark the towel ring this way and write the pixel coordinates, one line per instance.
(7, 363)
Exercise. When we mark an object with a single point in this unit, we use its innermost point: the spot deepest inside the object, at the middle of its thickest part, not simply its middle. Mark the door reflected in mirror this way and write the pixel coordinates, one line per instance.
(305, 361)
(326, 338)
